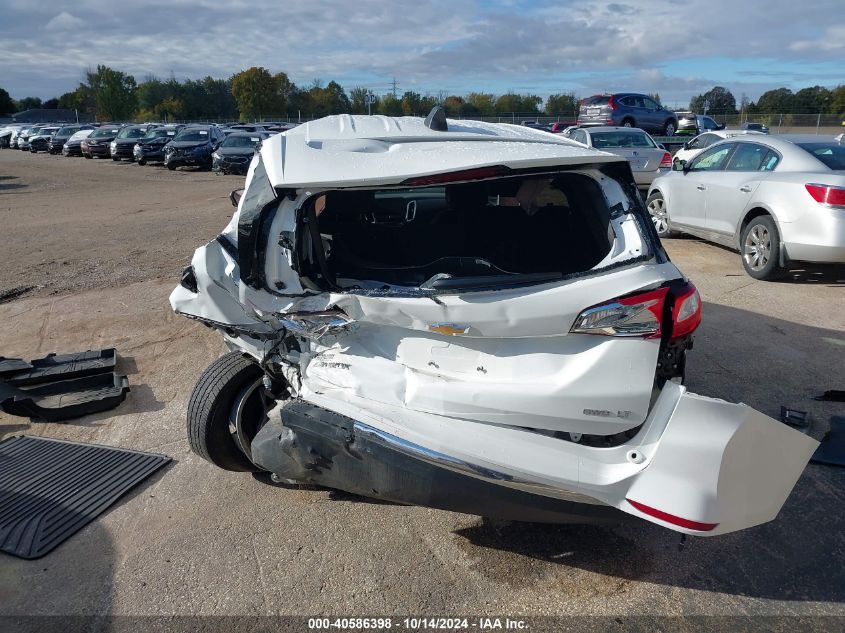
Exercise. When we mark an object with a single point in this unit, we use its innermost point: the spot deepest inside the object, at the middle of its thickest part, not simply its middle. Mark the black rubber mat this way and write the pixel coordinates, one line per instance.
(50, 489)
(65, 399)
(18, 372)
(831, 451)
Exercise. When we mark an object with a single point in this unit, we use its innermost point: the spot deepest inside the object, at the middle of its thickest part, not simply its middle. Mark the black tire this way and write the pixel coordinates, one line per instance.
(142, 162)
(172, 167)
(209, 407)
(87, 156)
(669, 128)
(759, 247)
(659, 214)
(628, 123)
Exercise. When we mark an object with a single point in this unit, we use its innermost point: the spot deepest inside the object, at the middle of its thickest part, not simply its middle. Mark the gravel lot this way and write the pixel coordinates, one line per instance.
(102, 243)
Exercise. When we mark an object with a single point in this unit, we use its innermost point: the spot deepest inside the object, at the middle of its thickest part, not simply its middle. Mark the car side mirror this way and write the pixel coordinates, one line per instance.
(235, 196)
(680, 165)
(686, 145)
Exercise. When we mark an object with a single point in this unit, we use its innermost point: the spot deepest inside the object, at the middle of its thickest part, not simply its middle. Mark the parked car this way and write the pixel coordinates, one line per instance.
(193, 146)
(776, 200)
(9, 134)
(25, 134)
(236, 151)
(627, 109)
(73, 146)
(40, 141)
(150, 148)
(697, 124)
(248, 127)
(559, 127)
(755, 127)
(695, 146)
(497, 332)
(648, 160)
(124, 143)
(58, 140)
(97, 144)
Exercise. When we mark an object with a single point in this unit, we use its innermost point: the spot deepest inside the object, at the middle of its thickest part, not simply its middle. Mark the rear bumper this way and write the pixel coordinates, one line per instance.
(817, 236)
(698, 465)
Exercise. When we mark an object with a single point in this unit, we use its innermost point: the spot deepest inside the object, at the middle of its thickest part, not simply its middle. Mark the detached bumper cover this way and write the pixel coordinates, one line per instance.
(699, 465)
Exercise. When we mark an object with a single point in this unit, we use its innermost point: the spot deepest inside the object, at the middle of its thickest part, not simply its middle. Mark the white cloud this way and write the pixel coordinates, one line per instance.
(64, 21)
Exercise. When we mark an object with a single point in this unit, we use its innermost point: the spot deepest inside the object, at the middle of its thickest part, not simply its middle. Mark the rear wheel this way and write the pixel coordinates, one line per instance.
(226, 409)
(88, 156)
(669, 128)
(141, 161)
(760, 247)
(628, 123)
(115, 158)
(171, 167)
(656, 206)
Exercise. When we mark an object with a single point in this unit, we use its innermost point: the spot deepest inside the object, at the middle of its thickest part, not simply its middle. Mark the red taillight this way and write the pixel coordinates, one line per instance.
(827, 194)
(666, 161)
(686, 313)
(671, 518)
(480, 173)
(609, 120)
(611, 103)
(577, 121)
(638, 315)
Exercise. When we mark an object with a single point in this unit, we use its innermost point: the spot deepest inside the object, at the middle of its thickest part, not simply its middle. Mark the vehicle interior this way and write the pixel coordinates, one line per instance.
(547, 227)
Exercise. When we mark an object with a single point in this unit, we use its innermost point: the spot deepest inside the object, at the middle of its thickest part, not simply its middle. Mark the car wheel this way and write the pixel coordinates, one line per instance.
(171, 167)
(656, 206)
(226, 409)
(669, 128)
(87, 156)
(760, 247)
(627, 123)
(142, 162)
(115, 158)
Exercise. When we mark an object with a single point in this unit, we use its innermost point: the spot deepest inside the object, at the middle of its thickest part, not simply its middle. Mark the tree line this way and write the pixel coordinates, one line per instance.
(111, 95)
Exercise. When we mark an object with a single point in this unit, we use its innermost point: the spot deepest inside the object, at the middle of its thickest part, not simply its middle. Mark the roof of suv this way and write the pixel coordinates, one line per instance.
(357, 150)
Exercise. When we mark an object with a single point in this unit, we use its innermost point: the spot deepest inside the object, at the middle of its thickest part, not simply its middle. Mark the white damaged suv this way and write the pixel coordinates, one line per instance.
(470, 316)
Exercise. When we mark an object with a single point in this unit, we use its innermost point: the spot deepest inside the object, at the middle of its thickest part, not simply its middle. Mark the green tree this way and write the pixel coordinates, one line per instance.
(481, 103)
(811, 100)
(411, 103)
(778, 101)
(390, 105)
(837, 100)
(356, 99)
(28, 103)
(7, 105)
(257, 92)
(452, 104)
(113, 92)
(530, 104)
(508, 103)
(562, 104)
(720, 101)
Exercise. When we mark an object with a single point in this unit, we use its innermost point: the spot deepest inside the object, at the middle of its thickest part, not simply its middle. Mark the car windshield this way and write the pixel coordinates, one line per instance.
(242, 141)
(159, 132)
(81, 135)
(192, 135)
(131, 132)
(610, 140)
(47, 131)
(106, 131)
(831, 154)
(67, 131)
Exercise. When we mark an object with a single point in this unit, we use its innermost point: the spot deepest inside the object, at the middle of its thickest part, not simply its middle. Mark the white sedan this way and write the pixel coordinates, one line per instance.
(694, 147)
(775, 199)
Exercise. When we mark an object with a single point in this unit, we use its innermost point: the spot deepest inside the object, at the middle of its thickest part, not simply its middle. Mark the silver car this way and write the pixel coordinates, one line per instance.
(776, 199)
(648, 159)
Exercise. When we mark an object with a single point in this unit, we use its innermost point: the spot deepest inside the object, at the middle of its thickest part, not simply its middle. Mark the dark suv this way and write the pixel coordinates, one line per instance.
(627, 109)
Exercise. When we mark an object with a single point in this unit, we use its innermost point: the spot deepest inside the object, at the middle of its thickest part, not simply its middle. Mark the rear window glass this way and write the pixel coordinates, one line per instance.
(831, 154)
(598, 100)
(610, 140)
(131, 132)
(103, 131)
(192, 135)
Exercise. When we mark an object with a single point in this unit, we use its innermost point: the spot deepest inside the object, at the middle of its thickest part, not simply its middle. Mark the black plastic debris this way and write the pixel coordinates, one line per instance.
(18, 372)
(65, 399)
(832, 395)
(50, 489)
(797, 419)
(831, 451)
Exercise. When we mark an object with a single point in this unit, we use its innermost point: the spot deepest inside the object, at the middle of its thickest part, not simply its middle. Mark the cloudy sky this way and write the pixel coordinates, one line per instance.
(678, 49)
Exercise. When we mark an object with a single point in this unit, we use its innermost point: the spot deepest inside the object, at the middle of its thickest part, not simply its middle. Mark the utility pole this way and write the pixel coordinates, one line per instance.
(394, 87)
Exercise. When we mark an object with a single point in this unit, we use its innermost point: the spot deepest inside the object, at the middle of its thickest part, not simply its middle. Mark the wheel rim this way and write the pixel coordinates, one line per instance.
(627, 124)
(657, 209)
(670, 129)
(247, 414)
(757, 249)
